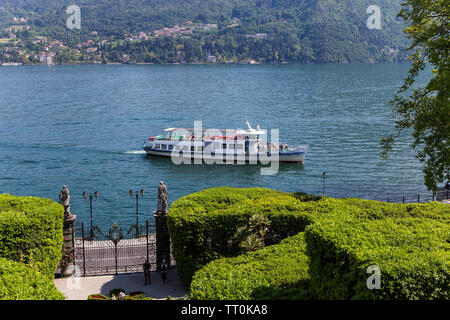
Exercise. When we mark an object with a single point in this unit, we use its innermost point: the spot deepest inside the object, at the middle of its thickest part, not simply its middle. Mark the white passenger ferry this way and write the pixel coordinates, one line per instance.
(222, 146)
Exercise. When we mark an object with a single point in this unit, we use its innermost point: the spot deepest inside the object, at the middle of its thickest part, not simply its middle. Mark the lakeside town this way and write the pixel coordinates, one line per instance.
(21, 43)
(20, 46)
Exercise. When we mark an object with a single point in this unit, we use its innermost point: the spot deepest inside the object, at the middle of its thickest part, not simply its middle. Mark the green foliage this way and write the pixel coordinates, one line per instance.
(31, 231)
(409, 242)
(251, 243)
(372, 210)
(19, 282)
(412, 254)
(276, 272)
(304, 197)
(426, 110)
(252, 236)
(217, 213)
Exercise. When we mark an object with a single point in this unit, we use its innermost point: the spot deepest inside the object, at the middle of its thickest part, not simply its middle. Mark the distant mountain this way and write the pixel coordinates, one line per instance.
(329, 31)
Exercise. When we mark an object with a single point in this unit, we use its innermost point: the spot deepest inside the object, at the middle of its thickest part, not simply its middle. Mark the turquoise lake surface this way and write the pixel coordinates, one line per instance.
(84, 127)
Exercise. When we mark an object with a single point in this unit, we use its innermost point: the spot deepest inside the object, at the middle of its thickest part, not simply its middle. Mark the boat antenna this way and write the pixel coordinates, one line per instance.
(248, 123)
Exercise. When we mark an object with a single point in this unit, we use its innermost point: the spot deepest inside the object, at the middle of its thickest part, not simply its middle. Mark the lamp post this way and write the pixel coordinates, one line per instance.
(137, 207)
(324, 178)
(91, 233)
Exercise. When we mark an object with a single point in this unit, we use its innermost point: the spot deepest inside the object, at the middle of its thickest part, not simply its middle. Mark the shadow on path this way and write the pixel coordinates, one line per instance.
(79, 288)
(156, 290)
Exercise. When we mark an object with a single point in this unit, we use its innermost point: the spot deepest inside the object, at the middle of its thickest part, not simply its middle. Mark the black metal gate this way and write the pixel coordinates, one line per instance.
(113, 252)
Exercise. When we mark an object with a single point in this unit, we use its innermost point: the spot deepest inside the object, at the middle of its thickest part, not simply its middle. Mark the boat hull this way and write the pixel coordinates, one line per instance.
(229, 158)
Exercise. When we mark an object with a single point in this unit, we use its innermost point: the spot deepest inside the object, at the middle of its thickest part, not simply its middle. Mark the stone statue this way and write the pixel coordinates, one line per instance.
(162, 198)
(64, 199)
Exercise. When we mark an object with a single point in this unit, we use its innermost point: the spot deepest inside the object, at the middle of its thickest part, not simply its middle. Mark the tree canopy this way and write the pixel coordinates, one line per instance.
(426, 110)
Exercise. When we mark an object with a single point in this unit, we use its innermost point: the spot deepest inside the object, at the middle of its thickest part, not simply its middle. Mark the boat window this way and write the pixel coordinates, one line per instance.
(231, 146)
(240, 146)
(178, 148)
(216, 145)
(185, 148)
(200, 148)
(157, 146)
(164, 147)
(170, 146)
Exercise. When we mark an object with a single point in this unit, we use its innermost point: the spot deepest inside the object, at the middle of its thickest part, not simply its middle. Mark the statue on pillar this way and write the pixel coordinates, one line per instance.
(162, 198)
(66, 265)
(64, 199)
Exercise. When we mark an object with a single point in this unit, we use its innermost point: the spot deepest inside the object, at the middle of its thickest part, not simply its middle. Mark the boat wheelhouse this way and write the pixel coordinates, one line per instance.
(222, 146)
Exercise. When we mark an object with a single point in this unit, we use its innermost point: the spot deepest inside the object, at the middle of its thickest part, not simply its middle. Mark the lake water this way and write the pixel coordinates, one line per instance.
(84, 126)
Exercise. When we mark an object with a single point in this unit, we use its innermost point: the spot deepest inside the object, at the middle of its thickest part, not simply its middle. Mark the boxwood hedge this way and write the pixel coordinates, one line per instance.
(412, 254)
(275, 272)
(20, 282)
(31, 231)
(216, 213)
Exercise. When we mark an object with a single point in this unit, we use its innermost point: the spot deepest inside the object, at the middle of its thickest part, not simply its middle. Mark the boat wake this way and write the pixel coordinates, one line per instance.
(135, 152)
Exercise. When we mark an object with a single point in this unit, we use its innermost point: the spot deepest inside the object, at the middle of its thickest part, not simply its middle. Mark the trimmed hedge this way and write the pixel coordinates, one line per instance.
(31, 231)
(276, 272)
(413, 255)
(19, 282)
(216, 213)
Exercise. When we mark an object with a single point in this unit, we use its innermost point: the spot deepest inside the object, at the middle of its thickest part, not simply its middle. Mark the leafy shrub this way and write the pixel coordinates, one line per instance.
(31, 231)
(252, 236)
(412, 254)
(276, 272)
(19, 282)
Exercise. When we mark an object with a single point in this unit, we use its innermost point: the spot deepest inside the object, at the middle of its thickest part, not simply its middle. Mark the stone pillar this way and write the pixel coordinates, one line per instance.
(69, 242)
(162, 239)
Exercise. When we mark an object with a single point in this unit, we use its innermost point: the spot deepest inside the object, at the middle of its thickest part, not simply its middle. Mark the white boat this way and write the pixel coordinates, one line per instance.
(222, 146)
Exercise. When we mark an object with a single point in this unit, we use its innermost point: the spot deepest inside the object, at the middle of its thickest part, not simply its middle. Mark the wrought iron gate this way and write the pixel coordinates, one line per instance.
(114, 252)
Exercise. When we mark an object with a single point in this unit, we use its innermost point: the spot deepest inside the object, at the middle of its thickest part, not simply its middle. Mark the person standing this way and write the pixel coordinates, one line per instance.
(164, 269)
(148, 280)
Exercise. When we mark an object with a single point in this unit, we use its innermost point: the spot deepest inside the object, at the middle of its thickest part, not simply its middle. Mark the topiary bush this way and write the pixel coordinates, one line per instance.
(276, 272)
(412, 254)
(331, 269)
(20, 282)
(217, 213)
(31, 231)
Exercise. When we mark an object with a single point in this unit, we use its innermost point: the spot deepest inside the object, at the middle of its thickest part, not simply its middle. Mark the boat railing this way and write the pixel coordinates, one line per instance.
(282, 148)
(194, 138)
